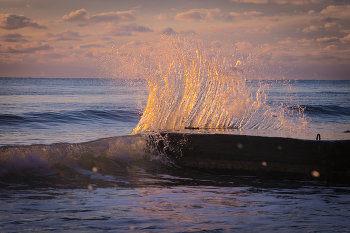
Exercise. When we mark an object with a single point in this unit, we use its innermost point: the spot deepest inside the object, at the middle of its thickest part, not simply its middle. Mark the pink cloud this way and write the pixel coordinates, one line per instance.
(327, 26)
(198, 15)
(90, 45)
(168, 31)
(286, 42)
(132, 27)
(345, 38)
(331, 47)
(337, 11)
(297, 2)
(293, 2)
(65, 35)
(16, 37)
(26, 48)
(328, 40)
(77, 16)
(312, 29)
(161, 17)
(258, 30)
(208, 15)
(12, 22)
(81, 17)
(251, 1)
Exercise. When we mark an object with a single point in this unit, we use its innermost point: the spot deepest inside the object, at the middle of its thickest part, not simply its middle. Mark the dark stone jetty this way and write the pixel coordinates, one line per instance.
(276, 157)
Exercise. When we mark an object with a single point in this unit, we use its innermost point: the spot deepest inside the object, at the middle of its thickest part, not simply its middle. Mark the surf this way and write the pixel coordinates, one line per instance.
(192, 86)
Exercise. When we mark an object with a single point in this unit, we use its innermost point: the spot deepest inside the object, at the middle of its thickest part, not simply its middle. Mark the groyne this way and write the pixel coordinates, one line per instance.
(285, 158)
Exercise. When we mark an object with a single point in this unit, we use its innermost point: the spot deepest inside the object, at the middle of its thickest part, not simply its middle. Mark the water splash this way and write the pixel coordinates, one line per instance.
(192, 86)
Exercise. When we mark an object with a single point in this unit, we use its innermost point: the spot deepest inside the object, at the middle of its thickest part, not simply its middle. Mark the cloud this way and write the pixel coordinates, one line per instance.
(337, 11)
(198, 15)
(82, 19)
(64, 36)
(168, 31)
(288, 41)
(346, 31)
(328, 40)
(247, 15)
(16, 37)
(258, 30)
(161, 17)
(77, 16)
(293, 2)
(306, 42)
(90, 45)
(331, 47)
(297, 2)
(207, 15)
(127, 29)
(122, 34)
(90, 55)
(313, 29)
(132, 27)
(125, 16)
(327, 26)
(55, 56)
(331, 26)
(26, 48)
(251, 1)
(12, 22)
(345, 38)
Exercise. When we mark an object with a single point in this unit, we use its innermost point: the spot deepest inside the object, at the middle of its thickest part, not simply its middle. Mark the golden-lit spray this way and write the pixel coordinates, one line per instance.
(195, 87)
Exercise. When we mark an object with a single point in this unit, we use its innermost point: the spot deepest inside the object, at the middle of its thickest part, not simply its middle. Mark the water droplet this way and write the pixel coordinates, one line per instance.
(264, 164)
(315, 173)
(239, 145)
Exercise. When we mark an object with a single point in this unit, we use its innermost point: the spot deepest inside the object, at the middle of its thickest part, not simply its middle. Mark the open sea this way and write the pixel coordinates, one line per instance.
(48, 184)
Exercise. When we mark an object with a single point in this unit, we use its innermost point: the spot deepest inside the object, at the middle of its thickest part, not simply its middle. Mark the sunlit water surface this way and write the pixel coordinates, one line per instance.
(222, 204)
(42, 189)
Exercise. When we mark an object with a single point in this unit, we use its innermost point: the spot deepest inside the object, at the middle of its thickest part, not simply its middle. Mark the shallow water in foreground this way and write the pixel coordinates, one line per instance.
(177, 204)
(58, 188)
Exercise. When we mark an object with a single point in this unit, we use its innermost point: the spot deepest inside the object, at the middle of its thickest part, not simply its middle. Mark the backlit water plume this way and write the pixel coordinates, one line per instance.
(196, 87)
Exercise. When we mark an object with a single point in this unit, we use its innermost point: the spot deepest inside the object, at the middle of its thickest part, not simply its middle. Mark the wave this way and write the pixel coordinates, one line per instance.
(108, 156)
(70, 117)
(329, 110)
(193, 87)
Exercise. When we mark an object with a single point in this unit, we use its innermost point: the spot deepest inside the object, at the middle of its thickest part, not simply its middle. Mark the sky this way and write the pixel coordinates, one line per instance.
(293, 39)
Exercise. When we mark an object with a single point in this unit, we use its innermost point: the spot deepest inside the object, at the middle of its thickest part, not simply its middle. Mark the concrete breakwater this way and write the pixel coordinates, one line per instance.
(259, 156)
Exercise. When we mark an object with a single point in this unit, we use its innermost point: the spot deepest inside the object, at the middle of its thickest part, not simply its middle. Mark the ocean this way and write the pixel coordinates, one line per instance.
(53, 177)
(47, 111)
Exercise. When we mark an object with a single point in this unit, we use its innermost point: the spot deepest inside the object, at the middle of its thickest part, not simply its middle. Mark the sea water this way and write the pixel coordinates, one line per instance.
(77, 154)
(146, 192)
(46, 111)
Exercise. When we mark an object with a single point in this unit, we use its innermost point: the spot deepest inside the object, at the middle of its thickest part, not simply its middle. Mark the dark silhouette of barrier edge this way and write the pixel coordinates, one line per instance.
(284, 158)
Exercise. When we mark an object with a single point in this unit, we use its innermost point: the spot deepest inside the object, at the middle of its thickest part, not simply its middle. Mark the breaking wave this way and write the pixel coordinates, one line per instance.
(192, 86)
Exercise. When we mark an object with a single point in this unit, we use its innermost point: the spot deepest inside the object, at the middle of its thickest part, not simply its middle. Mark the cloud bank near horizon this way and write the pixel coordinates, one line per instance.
(309, 39)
